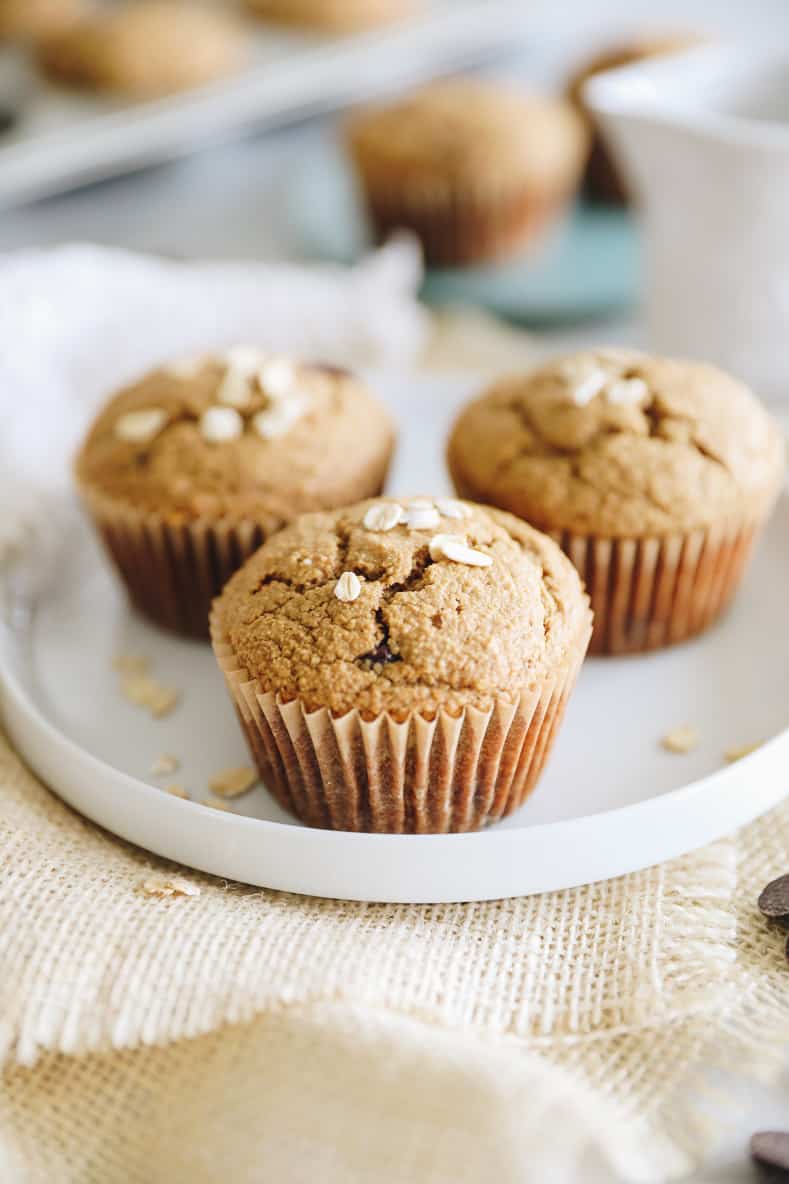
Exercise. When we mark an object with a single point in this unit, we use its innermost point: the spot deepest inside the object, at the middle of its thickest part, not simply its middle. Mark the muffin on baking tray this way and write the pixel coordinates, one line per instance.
(655, 476)
(402, 667)
(31, 20)
(475, 169)
(332, 16)
(145, 48)
(602, 179)
(187, 471)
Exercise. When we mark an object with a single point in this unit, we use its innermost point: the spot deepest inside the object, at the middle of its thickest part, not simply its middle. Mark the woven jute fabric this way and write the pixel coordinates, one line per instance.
(150, 1039)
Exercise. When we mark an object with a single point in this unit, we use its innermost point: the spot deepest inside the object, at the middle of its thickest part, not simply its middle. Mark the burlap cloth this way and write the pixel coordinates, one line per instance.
(257, 1036)
(253, 1036)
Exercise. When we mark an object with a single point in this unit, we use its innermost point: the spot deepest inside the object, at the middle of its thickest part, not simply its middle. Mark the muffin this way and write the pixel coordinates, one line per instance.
(602, 180)
(332, 16)
(655, 476)
(186, 472)
(145, 48)
(31, 20)
(402, 667)
(475, 169)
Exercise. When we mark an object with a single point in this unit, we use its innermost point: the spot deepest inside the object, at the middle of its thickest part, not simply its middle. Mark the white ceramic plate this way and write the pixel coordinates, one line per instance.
(62, 138)
(611, 800)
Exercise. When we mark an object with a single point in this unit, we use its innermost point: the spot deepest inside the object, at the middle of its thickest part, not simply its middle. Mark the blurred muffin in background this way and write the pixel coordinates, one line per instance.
(333, 16)
(30, 20)
(475, 169)
(145, 48)
(602, 180)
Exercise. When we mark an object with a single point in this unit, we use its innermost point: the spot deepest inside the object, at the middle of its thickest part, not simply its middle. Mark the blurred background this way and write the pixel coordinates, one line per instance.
(243, 157)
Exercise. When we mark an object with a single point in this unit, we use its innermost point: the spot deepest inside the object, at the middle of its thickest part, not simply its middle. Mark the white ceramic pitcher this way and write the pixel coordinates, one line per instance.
(704, 139)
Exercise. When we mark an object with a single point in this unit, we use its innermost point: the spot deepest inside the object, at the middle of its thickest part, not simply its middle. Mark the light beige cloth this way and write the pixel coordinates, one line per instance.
(252, 1036)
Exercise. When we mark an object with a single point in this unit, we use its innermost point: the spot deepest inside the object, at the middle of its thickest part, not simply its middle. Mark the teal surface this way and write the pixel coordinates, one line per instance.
(588, 266)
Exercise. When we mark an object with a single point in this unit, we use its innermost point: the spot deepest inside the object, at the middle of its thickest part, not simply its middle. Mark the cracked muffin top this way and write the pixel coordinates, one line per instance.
(240, 435)
(620, 444)
(421, 605)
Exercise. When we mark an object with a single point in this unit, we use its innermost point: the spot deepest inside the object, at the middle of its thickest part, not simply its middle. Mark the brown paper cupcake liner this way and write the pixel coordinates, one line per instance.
(393, 776)
(172, 571)
(653, 592)
(464, 229)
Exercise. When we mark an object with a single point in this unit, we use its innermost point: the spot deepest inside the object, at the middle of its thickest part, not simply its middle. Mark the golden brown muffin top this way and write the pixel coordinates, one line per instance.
(235, 436)
(146, 48)
(30, 20)
(418, 605)
(620, 444)
(465, 131)
(339, 16)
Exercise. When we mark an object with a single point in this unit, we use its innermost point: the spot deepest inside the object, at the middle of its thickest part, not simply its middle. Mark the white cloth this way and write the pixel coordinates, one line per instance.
(79, 320)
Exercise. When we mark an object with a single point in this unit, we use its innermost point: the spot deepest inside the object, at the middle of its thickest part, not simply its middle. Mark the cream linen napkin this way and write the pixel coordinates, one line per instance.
(255, 1036)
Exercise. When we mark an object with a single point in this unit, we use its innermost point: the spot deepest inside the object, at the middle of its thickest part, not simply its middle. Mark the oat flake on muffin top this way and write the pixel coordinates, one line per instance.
(348, 609)
(618, 443)
(243, 434)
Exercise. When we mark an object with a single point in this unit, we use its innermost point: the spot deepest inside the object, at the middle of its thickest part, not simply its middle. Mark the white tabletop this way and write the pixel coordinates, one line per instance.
(227, 203)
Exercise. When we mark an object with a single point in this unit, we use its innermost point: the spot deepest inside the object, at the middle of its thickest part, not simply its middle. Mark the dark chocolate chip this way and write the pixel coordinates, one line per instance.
(771, 1149)
(774, 900)
(381, 654)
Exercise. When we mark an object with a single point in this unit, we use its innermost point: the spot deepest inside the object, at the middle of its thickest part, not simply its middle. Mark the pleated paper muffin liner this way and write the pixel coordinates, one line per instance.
(172, 570)
(455, 230)
(398, 776)
(653, 592)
